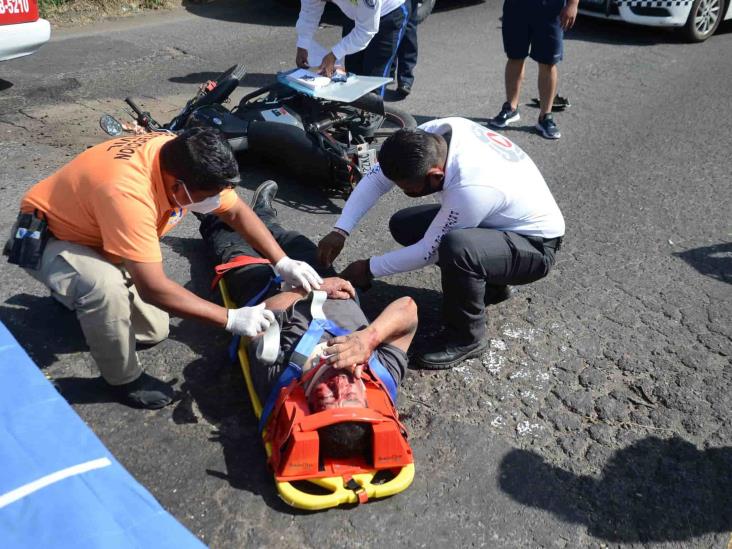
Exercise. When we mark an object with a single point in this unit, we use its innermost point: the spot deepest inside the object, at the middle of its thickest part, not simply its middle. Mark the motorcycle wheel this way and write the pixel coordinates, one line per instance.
(394, 119)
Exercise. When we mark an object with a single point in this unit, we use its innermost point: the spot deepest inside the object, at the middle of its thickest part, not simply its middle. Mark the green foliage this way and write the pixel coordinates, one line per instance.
(44, 6)
(49, 7)
(151, 4)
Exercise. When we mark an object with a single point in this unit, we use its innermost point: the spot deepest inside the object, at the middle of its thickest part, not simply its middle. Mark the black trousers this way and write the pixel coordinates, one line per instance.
(379, 56)
(473, 263)
(224, 245)
(407, 52)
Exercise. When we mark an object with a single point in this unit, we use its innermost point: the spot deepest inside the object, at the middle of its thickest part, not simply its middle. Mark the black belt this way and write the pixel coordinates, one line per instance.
(554, 243)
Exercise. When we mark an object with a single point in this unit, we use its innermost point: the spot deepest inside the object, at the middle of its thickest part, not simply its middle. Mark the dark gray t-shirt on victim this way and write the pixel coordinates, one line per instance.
(294, 322)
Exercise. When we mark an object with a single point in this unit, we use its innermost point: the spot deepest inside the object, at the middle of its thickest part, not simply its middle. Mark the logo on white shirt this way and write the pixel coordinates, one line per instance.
(499, 143)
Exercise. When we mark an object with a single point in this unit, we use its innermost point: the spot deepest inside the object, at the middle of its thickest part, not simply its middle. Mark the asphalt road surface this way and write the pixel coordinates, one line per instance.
(601, 414)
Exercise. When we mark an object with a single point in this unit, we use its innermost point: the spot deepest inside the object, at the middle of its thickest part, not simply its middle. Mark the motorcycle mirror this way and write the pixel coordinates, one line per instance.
(110, 125)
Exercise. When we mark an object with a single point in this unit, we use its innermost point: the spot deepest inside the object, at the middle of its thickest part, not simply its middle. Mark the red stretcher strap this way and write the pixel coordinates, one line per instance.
(238, 261)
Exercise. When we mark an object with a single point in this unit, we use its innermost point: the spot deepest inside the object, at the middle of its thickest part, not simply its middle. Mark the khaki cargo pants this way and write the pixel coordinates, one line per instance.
(111, 313)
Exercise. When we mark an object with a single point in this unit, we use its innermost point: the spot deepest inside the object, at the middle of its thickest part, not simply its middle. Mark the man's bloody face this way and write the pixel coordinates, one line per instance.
(337, 389)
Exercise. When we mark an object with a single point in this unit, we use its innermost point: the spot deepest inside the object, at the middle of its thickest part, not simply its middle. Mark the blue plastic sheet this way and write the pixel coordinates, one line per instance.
(59, 486)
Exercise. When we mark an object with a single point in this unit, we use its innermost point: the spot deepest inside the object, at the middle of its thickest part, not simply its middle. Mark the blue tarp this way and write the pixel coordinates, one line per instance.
(59, 486)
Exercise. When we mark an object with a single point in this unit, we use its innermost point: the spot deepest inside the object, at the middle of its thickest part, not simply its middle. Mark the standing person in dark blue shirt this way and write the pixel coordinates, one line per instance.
(534, 28)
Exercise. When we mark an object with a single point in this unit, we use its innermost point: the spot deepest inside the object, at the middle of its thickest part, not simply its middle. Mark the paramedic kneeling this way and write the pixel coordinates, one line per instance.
(107, 210)
(497, 224)
(337, 383)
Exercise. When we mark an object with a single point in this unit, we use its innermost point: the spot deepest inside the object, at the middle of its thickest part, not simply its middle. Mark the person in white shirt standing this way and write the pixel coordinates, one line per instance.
(371, 35)
(497, 224)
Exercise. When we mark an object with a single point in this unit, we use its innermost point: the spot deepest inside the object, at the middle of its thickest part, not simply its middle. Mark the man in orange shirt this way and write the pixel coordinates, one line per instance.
(107, 210)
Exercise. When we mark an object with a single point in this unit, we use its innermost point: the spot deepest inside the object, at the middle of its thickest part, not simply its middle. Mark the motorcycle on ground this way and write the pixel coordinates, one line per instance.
(329, 137)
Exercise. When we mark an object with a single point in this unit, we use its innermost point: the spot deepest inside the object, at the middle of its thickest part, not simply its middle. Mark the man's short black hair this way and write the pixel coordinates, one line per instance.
(345, 440)
(408, 154)
(202, 158)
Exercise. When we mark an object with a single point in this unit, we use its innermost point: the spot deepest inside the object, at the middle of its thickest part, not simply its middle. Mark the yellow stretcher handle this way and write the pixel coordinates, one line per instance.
(341, 495)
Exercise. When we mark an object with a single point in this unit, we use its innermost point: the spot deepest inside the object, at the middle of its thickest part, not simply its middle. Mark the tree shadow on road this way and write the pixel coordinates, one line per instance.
(43, 327)
(652, 491)
(84, 390)
(714, 261)
(258, 12)
(213, 388)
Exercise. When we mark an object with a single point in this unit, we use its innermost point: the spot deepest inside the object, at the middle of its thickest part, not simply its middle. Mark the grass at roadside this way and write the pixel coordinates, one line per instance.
(73, 12)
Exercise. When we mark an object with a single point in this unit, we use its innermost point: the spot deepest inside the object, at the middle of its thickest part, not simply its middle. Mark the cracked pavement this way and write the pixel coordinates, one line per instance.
(600, 414)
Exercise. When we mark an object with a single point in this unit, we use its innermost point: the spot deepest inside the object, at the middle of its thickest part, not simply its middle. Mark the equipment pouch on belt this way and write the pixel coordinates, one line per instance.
(27, 241)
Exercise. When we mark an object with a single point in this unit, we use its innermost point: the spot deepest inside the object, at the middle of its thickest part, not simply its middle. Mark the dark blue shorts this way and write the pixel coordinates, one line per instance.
(532, 27)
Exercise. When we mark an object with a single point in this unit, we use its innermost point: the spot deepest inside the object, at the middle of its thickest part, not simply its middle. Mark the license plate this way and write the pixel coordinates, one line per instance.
(366, 157)
(18, 11)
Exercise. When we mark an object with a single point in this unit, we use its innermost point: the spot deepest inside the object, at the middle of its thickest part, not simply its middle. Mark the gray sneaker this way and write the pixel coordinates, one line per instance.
(507, 115)
(548, 128)
(263, 197)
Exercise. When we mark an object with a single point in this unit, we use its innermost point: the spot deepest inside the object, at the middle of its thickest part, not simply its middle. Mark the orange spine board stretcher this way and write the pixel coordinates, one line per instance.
(337, 477)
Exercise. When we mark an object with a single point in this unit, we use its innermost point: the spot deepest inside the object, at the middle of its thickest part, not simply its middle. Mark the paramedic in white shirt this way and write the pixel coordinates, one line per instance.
(371, 35)
(497, 224)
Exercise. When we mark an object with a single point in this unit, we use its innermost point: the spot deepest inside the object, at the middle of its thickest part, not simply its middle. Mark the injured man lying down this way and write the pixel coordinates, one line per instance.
(334, 355)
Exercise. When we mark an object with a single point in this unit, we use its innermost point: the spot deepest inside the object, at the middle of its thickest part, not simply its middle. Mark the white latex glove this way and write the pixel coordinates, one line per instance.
(298, 273)
(249, 321)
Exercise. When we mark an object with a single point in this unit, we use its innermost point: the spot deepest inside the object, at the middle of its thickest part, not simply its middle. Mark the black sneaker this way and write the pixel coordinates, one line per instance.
(446, 355)
(507, 115)
(548, 128)
(404, 89)
(263, 197)
(145, 392)
(497, 294)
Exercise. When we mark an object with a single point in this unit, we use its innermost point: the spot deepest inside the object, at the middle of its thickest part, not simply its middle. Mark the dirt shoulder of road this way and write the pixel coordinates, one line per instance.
(84, 12)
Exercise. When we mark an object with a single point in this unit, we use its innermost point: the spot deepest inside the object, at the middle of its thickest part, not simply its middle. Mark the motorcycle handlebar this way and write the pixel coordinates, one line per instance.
(143, 117)
(133, 106)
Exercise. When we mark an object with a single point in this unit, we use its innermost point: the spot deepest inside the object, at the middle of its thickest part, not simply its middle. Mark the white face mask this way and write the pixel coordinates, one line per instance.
(204, 206)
